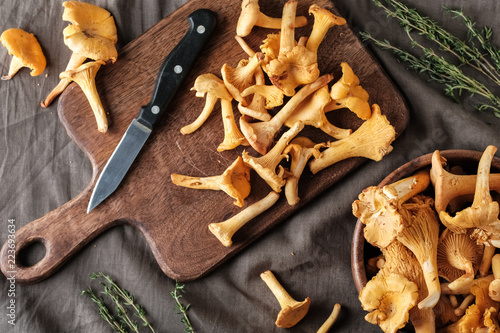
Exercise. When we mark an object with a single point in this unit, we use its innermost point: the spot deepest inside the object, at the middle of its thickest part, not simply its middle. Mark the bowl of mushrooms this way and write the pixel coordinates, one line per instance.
(423, 251)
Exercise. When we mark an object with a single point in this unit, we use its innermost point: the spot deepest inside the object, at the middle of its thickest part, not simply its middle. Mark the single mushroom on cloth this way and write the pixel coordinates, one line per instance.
(292, 311)
(25, 51)
(312, 112)
(212, 88)
(91, 34)
(295, 64)
(235, 181)
(371, 140)
(377, 208)
(389, 299)
(483, 213)
(251, 16)
(458, 258)
(84, 76)
(347, 93)
(266, 165)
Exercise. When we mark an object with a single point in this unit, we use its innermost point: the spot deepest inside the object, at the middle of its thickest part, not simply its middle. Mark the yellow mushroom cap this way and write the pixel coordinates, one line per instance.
(92, 32)
(25, 47)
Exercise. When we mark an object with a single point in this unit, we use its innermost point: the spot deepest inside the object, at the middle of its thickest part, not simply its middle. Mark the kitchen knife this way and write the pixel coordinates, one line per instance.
(172, 72)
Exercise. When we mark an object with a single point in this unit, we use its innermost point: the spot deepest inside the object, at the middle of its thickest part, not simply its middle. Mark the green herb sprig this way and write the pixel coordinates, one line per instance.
(438, 68)
(122, 300)
(176, 295)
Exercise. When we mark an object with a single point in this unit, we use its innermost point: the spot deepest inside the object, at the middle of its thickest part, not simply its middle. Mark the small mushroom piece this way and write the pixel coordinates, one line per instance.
(271, 46)
(464, 289)
(266, 165)
(481, 293)
(388, 299)
(239, 78)
(232, 134)
(377, 208)
(371, 140)
(84, 76)
(92, 34)
(420, 234)
(300, 150)
(261, 135)
(244, 46)
(295, 64)
(460, 310)
(448, 186)
(347, 93)
(323, 20)
(235, 181)
(25, 51)
(291, 311)
(468, 323)
(311, 112)
(458, 258)
(257, 107)
(224, 231)
(490, 321)
(484, 211)
(213, 88)
(331, 319)
(494, 287)
(252, 16)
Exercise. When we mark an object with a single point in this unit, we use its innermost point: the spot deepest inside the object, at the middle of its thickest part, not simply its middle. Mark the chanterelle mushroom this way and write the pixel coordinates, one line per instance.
(468, 323)
(213, 88)
(347, 93)
(312, 112)
(92, 34)
(257, 107)
(371, 140)
(266, 165)
(378, 208)
(260, 135)
(389, 299)
(252, 16)
(224, 231)
(26, 52)
(235, 181)
(323, 20)
(84, 76)
(291, 311)
(232, 134)
(484, 211)
(295, 64)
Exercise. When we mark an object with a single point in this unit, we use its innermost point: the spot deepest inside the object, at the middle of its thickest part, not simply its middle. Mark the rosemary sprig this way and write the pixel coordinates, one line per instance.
(104, 311)
(437, 67)
(176, 294)
(115, 292)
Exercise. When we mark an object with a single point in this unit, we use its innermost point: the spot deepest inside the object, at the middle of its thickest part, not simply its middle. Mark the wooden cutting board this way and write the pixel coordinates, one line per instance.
(174, 220)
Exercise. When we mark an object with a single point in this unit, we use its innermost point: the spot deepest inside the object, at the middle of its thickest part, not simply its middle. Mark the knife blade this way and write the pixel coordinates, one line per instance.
(171, 74)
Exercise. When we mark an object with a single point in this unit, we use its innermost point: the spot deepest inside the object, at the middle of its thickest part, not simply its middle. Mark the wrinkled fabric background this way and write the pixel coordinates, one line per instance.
(41, 168)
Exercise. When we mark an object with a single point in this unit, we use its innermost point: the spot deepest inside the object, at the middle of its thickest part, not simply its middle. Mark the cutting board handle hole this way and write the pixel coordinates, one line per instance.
(31, 254)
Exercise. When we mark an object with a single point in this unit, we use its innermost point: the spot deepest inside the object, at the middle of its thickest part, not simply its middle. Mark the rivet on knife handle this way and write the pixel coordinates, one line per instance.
(172, 72)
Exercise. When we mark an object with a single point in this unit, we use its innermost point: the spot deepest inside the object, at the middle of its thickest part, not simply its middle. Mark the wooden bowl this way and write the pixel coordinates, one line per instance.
(360, 249)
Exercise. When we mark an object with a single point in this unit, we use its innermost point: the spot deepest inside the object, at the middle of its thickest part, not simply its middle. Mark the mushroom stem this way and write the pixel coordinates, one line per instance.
(232, 135)
(453, 300)
(488, 253)
(15, 65)
(448, 186)
(292, 310)
(464, 289)
(287, 41)
(224, 231)
(494, 287)
(331, 319)
(75, 61)
(205, 113)
(460, 310)
(245, 46)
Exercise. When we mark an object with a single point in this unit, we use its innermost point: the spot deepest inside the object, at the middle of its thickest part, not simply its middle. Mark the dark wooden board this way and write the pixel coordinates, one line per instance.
(174, 220)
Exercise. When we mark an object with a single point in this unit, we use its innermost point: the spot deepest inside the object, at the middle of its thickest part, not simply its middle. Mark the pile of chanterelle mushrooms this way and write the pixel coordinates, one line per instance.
(440, 276)
(292, 68)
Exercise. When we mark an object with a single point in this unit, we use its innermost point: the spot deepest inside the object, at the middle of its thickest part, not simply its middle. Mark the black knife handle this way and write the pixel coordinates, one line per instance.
(177, 65)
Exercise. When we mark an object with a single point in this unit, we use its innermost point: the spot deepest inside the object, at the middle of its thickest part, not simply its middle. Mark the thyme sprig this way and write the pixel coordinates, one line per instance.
(436, 66)
(182, 309)
(122, 300)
